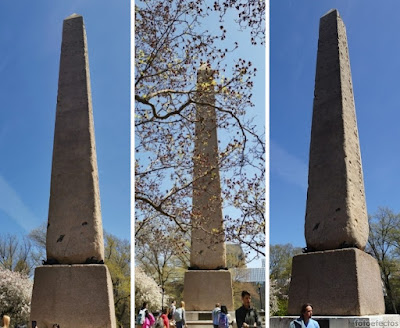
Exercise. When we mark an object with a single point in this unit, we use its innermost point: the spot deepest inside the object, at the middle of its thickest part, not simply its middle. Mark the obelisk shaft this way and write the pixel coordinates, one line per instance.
(336, 214)
(74, 233)
(208, 246)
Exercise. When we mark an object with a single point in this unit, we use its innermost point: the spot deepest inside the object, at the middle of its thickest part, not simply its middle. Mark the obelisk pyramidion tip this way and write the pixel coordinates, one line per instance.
(330, 11)
(74, 16)
(204, 66)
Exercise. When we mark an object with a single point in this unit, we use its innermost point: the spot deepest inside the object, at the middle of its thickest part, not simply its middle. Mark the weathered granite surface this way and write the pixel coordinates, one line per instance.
(79, 296)
(74, 232)
(208, 250)
(204, 288)
(336, 214)
(338, 282)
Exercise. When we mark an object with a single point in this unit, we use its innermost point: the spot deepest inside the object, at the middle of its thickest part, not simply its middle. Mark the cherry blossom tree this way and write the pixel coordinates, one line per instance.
(15, 295)
(146, 290)
(273, 298)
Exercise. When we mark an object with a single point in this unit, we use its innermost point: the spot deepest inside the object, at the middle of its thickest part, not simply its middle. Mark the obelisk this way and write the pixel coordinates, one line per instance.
(208, 250)
(207, 270)
(74, 230)
(74, 286)
(335, 275)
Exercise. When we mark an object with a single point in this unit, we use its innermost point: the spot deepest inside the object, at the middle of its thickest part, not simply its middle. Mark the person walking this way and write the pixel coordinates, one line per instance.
(180, 316)
(305, 318)
(223, 321)
(172, 309)
(246, 315)
(164, 316)
(215, 315)
(149, 320)
(141, 315)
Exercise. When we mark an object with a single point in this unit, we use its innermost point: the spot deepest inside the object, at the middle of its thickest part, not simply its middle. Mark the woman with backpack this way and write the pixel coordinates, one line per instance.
(223, 320)
(180, 316)
(148, 320)
(141, 315)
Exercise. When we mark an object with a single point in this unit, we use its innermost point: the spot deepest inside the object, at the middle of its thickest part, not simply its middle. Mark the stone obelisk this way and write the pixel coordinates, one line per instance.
(335, 275)
(74, 286)
(207, 270)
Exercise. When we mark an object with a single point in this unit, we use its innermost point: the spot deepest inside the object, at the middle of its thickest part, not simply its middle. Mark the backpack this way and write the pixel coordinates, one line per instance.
(251, 316)
(140, 317)
(178, 315)
(222, 321)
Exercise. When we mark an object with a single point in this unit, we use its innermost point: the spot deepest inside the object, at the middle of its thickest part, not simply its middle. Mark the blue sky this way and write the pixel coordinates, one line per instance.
(30, 39)
(374, 47)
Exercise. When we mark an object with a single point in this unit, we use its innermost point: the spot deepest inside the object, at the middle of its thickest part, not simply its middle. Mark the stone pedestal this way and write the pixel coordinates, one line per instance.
(204, 288)
(78, 296)
(384, 320)
(343, 282)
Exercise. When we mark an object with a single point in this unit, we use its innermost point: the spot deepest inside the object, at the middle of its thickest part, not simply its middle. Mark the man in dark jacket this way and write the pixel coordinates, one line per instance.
(246, 316)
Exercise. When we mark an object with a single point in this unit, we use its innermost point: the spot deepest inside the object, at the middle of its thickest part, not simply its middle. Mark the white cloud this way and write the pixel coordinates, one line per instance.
(287, 166)
(14, 207)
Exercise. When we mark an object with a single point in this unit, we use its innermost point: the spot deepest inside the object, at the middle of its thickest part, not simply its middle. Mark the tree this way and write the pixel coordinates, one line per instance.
(37, 238)
(171, 43)
(117, 257)
(146, 290)
(273, 298)
(16, 254)
(280, 272)
(235, 257)
(164, 257)
(250, 14)
(15, 295)
(382, 243)
(280, 258)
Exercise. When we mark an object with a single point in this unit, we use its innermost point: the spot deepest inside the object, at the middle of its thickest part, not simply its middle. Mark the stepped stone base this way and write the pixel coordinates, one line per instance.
(204, 288)
(385, 320)
(78, 296)
(342, 282)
